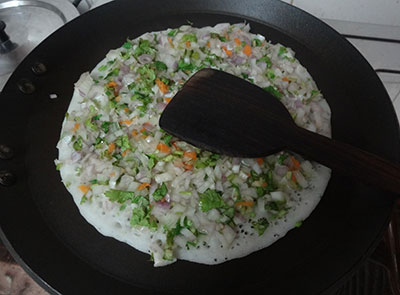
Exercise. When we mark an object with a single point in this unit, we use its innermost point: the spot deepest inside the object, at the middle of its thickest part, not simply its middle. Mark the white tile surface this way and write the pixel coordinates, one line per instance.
(385, 12)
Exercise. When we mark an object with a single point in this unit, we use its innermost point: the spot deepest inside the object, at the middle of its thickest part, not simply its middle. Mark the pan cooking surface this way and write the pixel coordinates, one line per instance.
(41, 223)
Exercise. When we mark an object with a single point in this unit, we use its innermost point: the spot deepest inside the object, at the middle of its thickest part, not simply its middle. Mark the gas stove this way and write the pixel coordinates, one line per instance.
(380, 275)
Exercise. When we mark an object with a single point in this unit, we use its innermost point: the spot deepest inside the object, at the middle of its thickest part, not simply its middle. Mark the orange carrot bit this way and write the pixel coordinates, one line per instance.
(247, 50)
(265, 184)
(143, 130)
(112, 174)
(245, 203)
(294, 179)
(188, 166)
(126, 110)
(260, 161)
(143, 186)
(262, 44)
(187, 43)
(111, 148)
(163, 87)
(84, 188)
(285, 79)
(111, 84)
(191, 155)
(227, 51)
(76, 126)
(118, 98)
(134, 132)
(295, 163)
(126, 122)
(170, 43)
(208, 44)
(167, 99)
(124, 153)
(176, 146)
(163, 148)
(237, 41)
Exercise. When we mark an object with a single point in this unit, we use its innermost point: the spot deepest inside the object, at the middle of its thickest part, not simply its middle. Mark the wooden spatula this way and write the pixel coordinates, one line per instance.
(224, 114)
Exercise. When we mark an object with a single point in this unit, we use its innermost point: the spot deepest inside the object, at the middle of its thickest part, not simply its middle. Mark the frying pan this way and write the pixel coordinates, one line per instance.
(44, 231)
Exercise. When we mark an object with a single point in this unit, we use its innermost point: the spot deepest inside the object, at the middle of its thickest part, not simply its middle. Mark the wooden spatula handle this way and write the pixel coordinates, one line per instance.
(348, 160)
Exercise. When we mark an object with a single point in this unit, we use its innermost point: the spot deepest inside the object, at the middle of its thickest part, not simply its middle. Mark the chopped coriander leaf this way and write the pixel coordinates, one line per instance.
(185, 66)
(140, 216)
(144, 47)
(151, 163)
(274, 91)
(211, 199)
(127, 45)
(282, 51)
(123, 143)
(299, 223)
(167, 139)
(119, 196)
(103, 68)
(78, 144)
(114, 72)
(160, 192)
(189, 37)
(267, 61)
(282, 158)
(260, 225)
(160, 66)
(90, 124)
(106, 126)
(189, 22)
(270, 74)
(83, 199)
(256, 42)
(123, 206)
(172, 33)
(58, 166)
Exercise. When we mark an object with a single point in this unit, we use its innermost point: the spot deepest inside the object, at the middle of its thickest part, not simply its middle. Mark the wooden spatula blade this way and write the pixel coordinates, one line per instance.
(224, 114)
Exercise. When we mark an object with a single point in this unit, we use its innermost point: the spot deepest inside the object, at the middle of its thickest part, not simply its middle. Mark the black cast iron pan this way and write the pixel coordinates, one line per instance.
(42, 227)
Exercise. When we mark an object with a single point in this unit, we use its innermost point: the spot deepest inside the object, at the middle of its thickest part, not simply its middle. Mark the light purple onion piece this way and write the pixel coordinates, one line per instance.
(145, 59)
(148, 126)
(298, 103)
(81, 93)
(160, 106)
(124, 69)
(262, 65)
(237, 60)
(236, 161)
(280, 170)
(76, 156)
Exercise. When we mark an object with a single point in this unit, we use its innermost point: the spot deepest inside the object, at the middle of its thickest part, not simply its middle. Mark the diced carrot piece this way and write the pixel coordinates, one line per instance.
(126, 110)
(237, 41)
(142, 130)
(124, 153)
(84, 188)
(168, 99)
(294, 178)
(111, 148)
(143, 186)
(163, 87)
(170, 43)
(187, 43)
(126, 122)
(260, 161)
(247, 50)
(163, 148)
(265, 184)
(208, 44)
(188, 166)
(112, 174)
(191, 155)
(245, 203)
(227, 51)
(76, 126)
(176, 146)
(134, 132)
(295, 163)
(118, 98)
(285, 79)
(111, 84)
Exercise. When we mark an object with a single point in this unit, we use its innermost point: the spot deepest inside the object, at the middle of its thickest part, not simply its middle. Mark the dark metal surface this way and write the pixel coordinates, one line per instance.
(44, 231)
